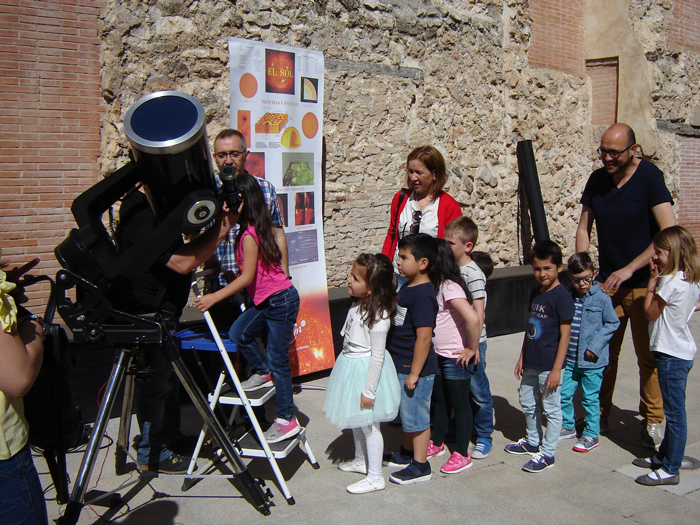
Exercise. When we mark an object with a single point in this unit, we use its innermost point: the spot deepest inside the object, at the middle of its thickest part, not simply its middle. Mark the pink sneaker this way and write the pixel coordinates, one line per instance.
(457, 463)
(279, 431)
(434, 451)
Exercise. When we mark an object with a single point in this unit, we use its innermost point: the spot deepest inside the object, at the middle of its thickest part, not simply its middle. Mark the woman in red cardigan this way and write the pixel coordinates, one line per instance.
(423, 207)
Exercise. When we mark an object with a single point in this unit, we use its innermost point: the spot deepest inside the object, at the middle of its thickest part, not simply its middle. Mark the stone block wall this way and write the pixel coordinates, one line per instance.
(452, 73)
(667, 31)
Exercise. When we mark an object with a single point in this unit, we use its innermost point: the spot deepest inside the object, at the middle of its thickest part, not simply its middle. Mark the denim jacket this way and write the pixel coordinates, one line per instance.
(599, 322)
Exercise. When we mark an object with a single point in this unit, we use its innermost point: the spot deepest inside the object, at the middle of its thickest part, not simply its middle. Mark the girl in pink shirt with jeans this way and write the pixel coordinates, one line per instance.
(456, 341)
(276, 307)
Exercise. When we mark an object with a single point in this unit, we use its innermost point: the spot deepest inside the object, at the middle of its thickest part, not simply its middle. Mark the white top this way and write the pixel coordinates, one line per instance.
(670, 333)
(450, 327)
(428, 222)
(359, 341)
(476, 282)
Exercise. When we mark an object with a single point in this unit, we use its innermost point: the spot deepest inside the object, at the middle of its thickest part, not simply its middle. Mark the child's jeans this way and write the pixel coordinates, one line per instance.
(673, 378)
(533, 396)
(482, 402)
(590, 380)
(277, 314)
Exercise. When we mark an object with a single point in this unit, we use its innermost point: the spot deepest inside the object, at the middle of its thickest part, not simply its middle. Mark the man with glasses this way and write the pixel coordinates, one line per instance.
(230, 149)
(629, 202)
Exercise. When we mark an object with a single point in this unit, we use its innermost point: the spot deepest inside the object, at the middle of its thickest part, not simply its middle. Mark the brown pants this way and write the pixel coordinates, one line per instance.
(629, 306)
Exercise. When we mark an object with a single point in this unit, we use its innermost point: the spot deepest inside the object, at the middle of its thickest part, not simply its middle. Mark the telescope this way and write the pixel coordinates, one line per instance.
(171, 160)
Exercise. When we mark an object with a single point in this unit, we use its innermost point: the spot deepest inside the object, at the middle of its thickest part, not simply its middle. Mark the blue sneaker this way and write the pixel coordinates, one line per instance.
(521, 447)
(538, 463)
(481, 449)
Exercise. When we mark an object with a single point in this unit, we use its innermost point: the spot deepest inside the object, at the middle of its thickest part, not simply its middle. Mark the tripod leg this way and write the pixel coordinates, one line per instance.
(75, 505)
(120, 452)
(251, 486)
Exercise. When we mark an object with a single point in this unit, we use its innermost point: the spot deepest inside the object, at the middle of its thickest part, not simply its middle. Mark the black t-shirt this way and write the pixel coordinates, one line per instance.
(623, 217)
(415, 306)
(159, 289)
(547, 310)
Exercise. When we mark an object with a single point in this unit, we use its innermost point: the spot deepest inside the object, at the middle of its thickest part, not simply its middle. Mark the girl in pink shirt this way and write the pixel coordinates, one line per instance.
(276, 307)
(456, 341)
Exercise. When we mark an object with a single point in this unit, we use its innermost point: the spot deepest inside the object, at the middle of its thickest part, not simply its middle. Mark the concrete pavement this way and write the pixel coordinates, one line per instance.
(596, 487)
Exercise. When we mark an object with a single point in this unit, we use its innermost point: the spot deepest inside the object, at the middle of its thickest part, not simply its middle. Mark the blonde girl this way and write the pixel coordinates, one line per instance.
(671, 298)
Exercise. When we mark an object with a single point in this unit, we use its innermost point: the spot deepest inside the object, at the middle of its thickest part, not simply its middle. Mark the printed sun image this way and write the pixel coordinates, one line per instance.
(312, 348)
(248, 85)
(291, 138)
(271, 123)
(298, 174)
(279, 72)
(309, 89)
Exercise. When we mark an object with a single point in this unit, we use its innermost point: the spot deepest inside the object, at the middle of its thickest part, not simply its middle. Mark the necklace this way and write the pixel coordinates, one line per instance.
(424, 202)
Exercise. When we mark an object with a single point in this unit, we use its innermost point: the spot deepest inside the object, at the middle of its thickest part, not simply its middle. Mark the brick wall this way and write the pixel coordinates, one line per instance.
(684, 27)
(50, 123)
(557, 35)
(689, 199)
(604, 77)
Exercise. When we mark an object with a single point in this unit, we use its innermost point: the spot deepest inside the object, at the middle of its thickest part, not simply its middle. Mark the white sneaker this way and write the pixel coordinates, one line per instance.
(351, 466)
(366, 486)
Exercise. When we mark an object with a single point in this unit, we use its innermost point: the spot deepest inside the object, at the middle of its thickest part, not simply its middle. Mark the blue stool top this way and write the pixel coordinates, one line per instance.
(200, 338)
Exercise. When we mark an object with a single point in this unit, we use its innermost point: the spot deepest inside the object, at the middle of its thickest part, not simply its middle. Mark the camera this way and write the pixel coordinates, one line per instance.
(229, 192)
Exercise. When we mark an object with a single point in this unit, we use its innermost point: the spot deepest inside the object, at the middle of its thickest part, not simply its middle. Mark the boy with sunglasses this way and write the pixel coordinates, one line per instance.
(593, 325)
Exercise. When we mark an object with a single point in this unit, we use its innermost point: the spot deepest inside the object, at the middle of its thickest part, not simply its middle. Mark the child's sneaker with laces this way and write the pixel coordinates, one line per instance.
(585, 444)
(521, 447)
(457, 463)
(481, 449)
(279, 431)
(256, 382)
(538, 463)
(435, 451)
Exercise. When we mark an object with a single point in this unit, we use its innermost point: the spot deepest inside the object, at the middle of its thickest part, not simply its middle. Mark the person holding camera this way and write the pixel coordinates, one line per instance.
(230, 149)
(21, 354)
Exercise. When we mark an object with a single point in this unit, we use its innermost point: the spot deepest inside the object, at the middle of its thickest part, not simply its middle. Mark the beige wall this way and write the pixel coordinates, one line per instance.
(608, 34)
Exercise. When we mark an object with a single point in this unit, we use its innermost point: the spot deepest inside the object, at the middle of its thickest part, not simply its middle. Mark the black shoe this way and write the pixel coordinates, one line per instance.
(185, 445)
(175, 464)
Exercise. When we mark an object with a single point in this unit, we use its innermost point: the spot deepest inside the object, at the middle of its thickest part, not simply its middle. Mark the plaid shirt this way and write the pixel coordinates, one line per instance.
(225, 251)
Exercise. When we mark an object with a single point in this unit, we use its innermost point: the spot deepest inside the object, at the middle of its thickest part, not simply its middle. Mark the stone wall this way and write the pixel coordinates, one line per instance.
(452, 73)
(675, 93)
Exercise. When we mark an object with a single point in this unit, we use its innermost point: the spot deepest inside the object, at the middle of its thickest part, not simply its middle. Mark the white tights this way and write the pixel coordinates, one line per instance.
(369, 445)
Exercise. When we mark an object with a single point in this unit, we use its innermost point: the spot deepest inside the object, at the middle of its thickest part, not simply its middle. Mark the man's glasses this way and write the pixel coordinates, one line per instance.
(588, 279)
(415, 226)
(602, 153)
(222, 155)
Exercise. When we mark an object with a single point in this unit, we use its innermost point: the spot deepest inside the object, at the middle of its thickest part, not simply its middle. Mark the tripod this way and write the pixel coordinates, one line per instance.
(130, 333)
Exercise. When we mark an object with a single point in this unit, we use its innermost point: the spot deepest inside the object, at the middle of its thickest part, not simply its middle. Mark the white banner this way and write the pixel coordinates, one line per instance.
(277, 103)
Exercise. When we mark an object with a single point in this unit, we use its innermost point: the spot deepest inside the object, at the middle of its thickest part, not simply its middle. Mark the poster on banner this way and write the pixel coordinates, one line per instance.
(277, 103)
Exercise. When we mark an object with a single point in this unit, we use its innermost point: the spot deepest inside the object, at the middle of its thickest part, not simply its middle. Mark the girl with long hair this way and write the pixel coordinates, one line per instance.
(276, 306)
(671, 298)
(363, 389)
(456, 342)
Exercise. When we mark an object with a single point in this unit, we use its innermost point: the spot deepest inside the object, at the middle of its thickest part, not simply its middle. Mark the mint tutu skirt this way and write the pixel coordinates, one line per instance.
(348, 378)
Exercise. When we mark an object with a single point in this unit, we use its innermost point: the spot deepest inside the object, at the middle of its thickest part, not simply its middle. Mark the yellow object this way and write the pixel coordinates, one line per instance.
(8, 308)
(291, 138)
